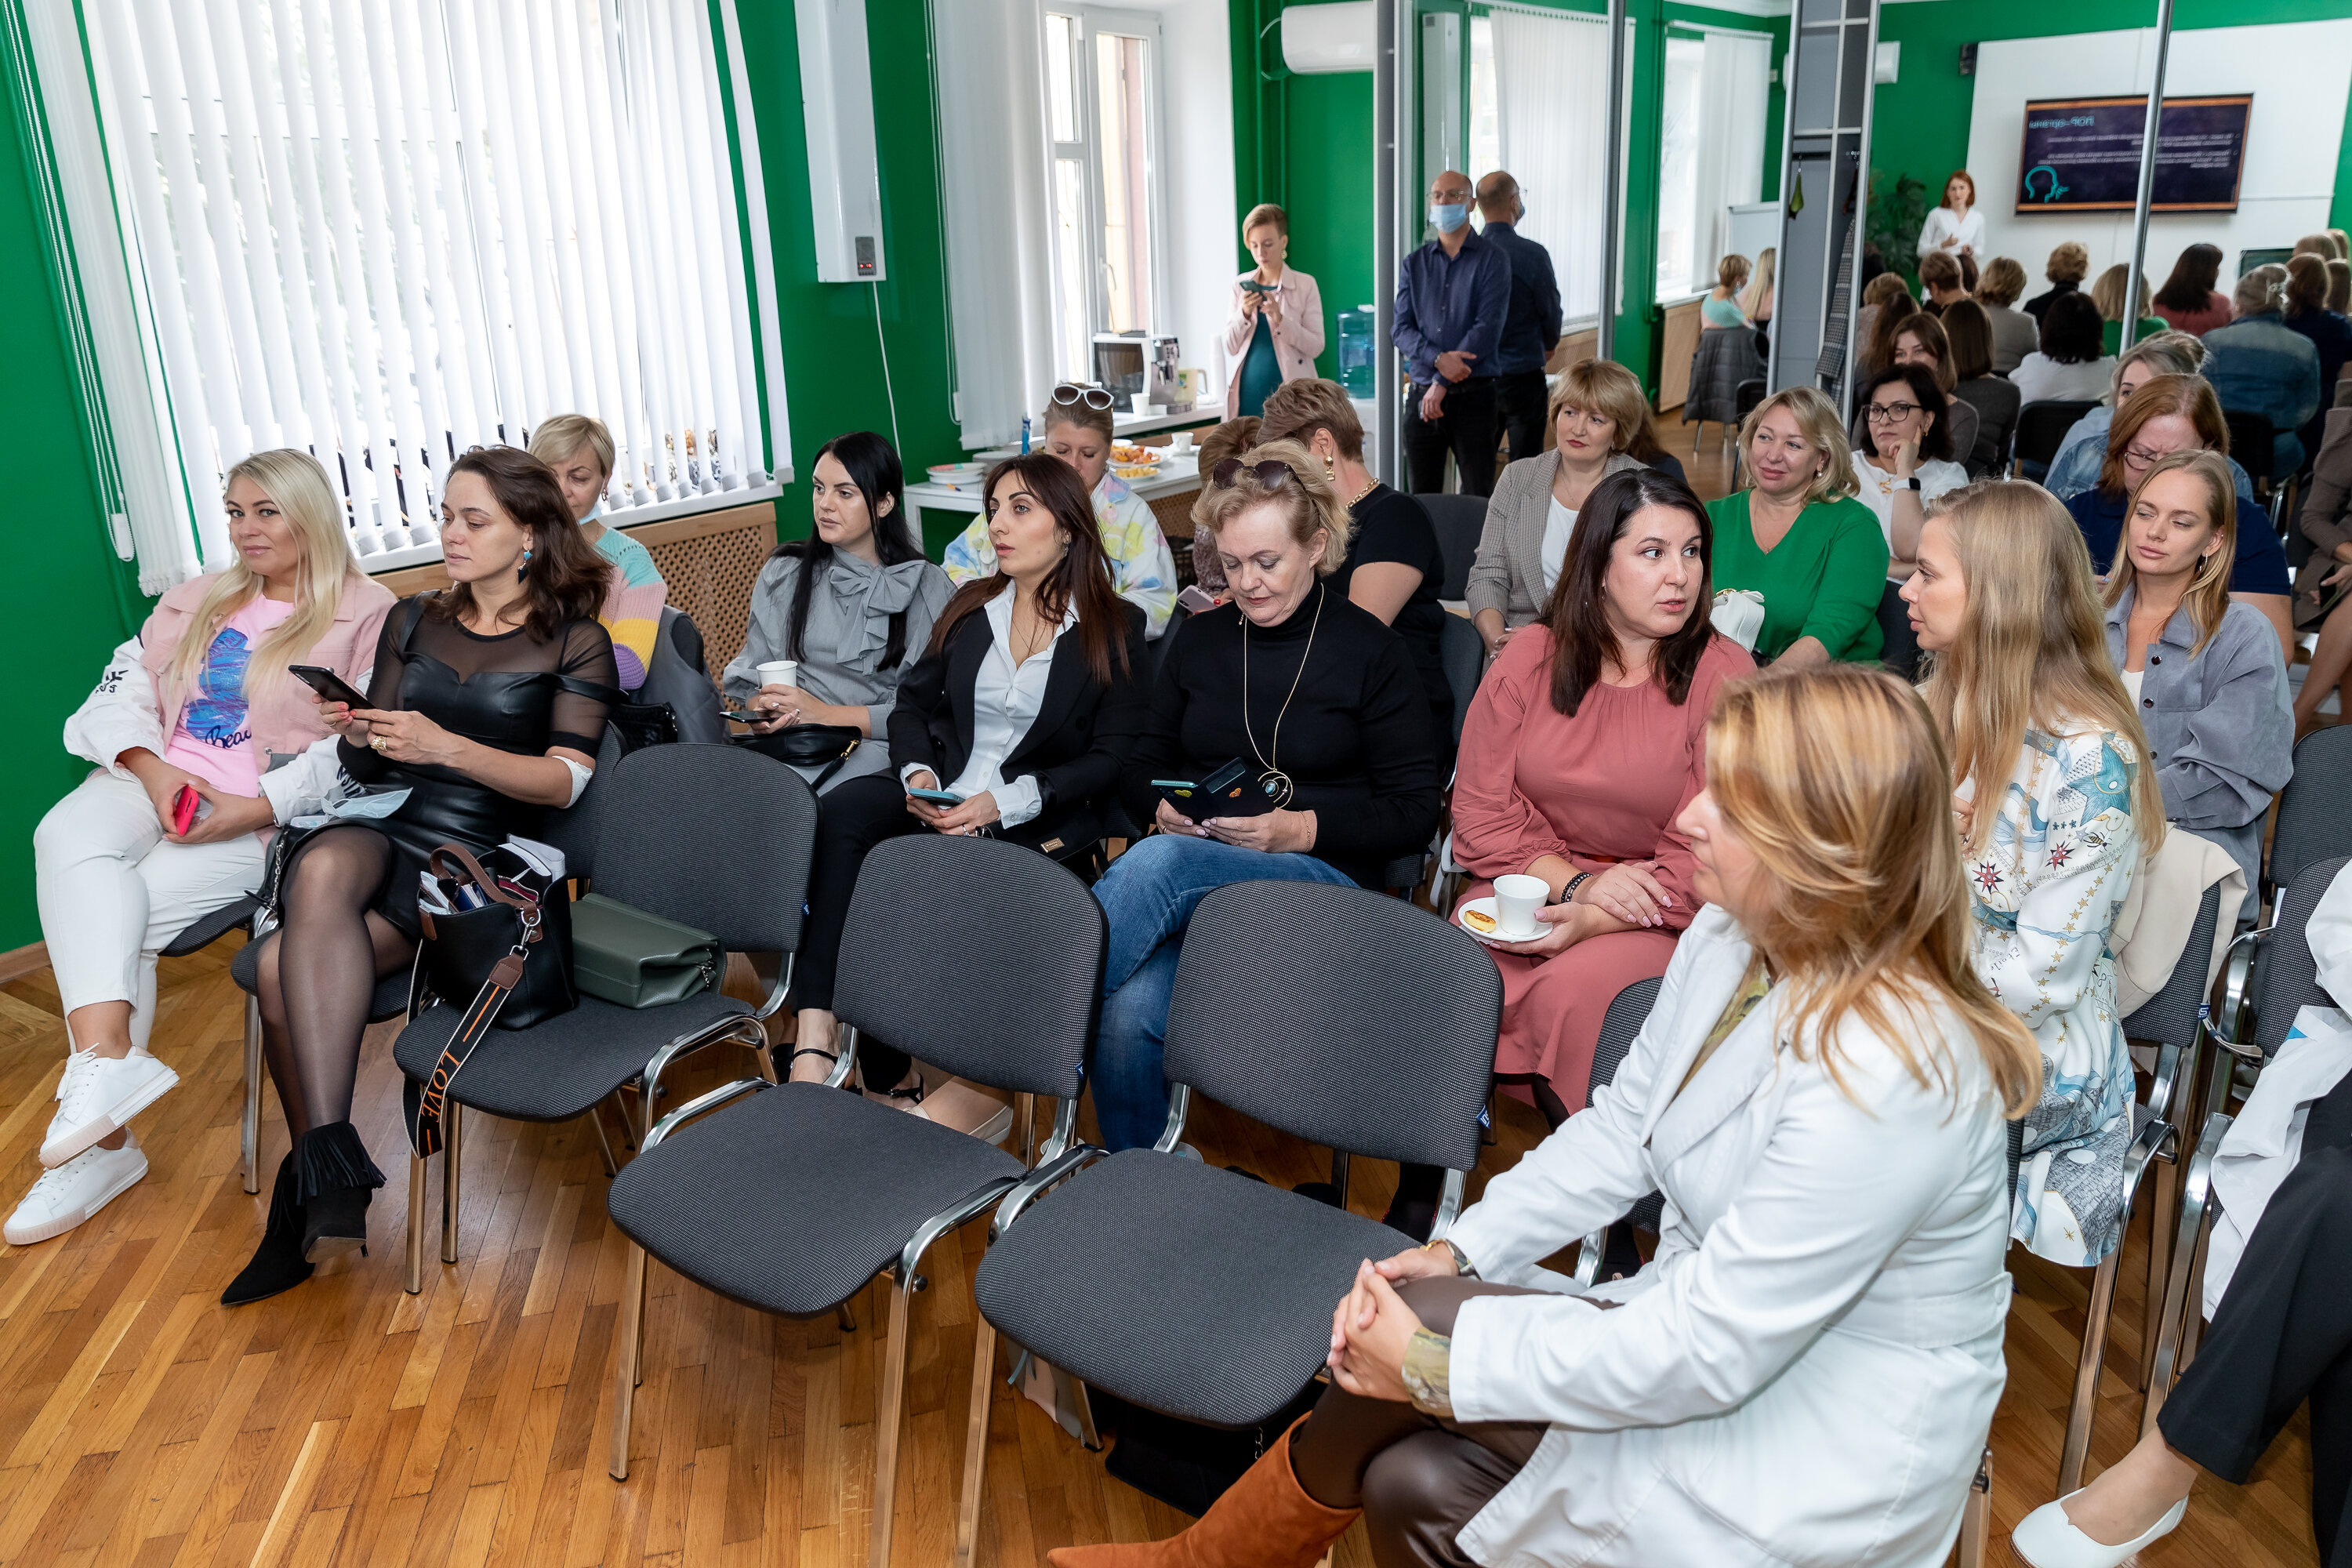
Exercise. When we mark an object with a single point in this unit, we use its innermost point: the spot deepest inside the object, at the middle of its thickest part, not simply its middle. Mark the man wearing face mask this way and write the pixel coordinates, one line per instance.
(1453, 295)
(1531, 323)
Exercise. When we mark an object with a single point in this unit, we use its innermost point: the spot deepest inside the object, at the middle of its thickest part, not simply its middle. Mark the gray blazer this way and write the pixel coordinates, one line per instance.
(2219, 722)
(1508, 573)
(847, 633)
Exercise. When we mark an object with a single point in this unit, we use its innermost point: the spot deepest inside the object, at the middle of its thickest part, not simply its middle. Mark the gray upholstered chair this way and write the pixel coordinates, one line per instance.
(1003, 987)
(2279, 977)
(2315, 810)
(715, 837)
(1334, 1015)
(1619, 1026)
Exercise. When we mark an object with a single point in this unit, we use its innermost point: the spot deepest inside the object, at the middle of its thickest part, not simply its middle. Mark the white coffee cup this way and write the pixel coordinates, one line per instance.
(1517, 900)
(779, 672)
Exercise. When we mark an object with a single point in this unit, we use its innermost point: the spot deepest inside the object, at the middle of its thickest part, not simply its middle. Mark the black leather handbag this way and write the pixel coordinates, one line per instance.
(825, 747)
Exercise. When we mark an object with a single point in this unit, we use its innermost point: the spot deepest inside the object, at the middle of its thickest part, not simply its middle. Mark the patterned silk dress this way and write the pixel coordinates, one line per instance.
(2045, 890)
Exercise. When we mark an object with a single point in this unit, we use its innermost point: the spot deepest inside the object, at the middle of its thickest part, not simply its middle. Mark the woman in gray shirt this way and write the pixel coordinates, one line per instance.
(853, 605)
(2204, 674)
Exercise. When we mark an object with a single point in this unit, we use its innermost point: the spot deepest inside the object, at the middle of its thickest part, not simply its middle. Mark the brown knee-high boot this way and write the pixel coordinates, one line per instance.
(1265, 1520)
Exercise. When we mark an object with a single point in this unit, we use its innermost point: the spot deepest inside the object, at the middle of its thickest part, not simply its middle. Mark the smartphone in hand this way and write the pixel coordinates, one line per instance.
(329, 686)
(183, 808)
(936, 796)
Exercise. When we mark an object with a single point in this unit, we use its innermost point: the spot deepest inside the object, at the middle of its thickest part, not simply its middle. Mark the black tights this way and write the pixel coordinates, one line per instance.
(318, 972)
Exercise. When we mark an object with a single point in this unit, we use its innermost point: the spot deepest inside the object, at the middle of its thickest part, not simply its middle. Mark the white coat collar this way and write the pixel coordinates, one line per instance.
(1676, 1122)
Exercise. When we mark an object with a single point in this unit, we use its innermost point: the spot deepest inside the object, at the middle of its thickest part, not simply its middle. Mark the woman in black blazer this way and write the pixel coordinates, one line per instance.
(1025, 707)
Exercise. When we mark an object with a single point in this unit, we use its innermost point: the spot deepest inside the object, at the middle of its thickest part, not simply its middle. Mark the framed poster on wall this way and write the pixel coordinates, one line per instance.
(2082, 154)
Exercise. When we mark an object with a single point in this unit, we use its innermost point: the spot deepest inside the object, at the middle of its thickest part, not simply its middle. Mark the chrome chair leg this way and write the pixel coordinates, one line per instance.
(452, 1126)
(628, 1356)
(603, 1144)
(1976, 1515)
(2159, 1267)
(975, 1444)
(2085, 1404)
(415, 1222)
(886, 1424)
(249, 1123)
(841, 1315)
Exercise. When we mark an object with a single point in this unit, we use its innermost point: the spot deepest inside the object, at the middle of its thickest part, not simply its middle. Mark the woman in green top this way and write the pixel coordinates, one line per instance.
(1797, 535)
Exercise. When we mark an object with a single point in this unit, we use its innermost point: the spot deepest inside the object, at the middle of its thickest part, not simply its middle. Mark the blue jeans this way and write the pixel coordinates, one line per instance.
(1149, 896)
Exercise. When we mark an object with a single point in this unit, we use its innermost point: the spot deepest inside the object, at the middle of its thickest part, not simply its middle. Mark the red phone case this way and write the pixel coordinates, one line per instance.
(183, 808)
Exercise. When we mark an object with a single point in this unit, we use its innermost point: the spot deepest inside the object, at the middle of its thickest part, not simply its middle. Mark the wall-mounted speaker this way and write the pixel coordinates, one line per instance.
(1968, 60)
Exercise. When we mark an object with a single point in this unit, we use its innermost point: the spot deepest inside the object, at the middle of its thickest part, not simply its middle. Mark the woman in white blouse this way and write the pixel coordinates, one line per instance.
(1805, 1371)
(1956, 228)
(1908, 462)
(1598, 409)
(1022, 708)
(2056, 806)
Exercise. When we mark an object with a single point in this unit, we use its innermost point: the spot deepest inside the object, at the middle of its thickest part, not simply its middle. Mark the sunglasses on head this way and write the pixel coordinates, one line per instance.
(1069, 395)
(1273, 474)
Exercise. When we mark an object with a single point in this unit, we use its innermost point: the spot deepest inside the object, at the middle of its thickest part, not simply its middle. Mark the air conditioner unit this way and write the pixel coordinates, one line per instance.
(837, 108)
(1318, 39)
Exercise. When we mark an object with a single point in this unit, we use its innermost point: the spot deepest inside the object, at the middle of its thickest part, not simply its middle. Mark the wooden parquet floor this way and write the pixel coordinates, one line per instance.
(348, 1423)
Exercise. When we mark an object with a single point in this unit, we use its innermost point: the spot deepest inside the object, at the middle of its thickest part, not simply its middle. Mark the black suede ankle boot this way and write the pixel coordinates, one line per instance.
(336, 1179)
(278, 1264)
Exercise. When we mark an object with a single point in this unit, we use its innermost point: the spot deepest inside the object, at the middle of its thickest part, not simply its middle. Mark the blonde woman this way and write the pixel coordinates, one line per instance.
(1796, 534)
(1274, 329)
(2015, 335)
(2107, 294)
(580, 451)
(1807, 1370)
(200, 701)
(1598, 409)
(1756, 299)
(2204, 674)
(2056, 806)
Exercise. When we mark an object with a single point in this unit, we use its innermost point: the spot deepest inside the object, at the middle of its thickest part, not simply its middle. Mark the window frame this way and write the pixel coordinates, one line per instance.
(1090, 23)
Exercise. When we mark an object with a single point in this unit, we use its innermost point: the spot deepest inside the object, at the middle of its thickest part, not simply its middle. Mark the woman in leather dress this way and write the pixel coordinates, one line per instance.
(488, 702)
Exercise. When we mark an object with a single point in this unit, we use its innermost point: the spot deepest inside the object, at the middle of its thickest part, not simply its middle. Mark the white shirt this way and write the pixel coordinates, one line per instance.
(1936, 475)
(2040, 379)
(2131, 685)
(1560, 527)
(1004, 703)
(1942, 226)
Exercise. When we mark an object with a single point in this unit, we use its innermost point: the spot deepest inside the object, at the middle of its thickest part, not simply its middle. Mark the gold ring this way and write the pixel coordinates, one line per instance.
(376, 742)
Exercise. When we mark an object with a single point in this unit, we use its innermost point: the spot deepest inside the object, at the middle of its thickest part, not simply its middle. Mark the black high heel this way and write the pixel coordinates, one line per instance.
(278, 1264)
(336, 1180)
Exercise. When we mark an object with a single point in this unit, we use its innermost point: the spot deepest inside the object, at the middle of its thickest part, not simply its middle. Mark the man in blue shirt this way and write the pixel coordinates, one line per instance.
(1531, 325)
(1452, 297)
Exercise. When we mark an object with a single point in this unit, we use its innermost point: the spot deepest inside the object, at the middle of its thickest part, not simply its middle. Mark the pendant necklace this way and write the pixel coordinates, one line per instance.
(1272, 779)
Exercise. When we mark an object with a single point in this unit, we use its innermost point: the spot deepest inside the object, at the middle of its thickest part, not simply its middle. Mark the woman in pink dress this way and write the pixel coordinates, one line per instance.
(1584, 743)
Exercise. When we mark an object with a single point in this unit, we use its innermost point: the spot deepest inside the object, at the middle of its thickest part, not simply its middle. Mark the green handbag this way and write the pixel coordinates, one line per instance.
(632, 959)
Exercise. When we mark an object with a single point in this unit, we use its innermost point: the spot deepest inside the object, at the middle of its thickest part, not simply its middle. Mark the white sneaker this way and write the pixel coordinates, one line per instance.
(2048, 1539)
(97, 1097)
(76, 1189)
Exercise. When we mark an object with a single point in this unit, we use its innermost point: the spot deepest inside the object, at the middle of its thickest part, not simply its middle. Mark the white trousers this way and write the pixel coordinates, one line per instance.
(113, 893)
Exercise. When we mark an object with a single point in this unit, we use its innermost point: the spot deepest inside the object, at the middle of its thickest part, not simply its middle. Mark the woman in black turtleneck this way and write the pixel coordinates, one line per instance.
(1328, 703)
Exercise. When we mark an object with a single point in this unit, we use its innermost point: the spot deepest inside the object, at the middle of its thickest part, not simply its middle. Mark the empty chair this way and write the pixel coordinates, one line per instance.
(713, 837)
(1200, 1293)
(2315, 810)
(2040, 428)
(1619, 1027)
(845, 1188)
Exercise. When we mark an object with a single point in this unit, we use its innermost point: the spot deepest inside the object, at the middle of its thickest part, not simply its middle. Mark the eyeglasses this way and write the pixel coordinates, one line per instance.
(1069, 395)
(1273, 474)
(1888, 413)
(2139, 456)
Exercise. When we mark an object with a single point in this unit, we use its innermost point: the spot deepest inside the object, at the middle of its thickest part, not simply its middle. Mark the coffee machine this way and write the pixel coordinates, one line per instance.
(1138, 364)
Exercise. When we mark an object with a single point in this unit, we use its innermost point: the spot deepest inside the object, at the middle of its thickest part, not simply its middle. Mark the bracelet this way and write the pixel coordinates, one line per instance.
(1568, 892)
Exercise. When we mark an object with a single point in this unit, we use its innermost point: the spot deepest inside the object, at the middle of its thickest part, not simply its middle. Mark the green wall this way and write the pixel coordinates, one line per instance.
(1306, 142)
(1919, 125)
(75, 600)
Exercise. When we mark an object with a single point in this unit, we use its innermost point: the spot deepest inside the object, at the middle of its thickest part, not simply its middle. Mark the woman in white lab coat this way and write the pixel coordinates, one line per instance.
(1805, 1373)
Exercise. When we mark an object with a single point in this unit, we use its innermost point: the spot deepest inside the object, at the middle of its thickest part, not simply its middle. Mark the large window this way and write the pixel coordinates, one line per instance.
(1711, 151)
(1539, 97)
(388, 232)
(1102, 128)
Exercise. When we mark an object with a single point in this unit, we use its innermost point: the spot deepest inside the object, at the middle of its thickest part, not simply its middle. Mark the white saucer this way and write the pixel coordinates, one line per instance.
(1486, 907)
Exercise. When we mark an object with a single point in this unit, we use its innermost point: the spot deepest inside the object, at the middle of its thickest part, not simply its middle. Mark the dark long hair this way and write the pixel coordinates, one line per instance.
(874, 469)
(1937, 442)
(2191, 287)
(566, 577)
(2072, 331)
(1083, 578)
(1582, 638)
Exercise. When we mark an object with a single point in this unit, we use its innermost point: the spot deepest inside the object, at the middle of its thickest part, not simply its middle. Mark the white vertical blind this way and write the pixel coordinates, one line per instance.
(389, 230)
(1552, 123)
(1733, 80)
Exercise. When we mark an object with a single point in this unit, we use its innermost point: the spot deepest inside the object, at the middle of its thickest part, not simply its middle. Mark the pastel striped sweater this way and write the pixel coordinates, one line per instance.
(633, 604)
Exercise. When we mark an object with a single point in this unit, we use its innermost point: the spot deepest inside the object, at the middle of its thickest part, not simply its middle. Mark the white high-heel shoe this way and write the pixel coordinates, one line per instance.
(2048, 1539)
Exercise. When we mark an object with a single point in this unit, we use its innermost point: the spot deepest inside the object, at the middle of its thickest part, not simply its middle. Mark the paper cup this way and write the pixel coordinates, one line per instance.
(1517, 900)
(777, 672)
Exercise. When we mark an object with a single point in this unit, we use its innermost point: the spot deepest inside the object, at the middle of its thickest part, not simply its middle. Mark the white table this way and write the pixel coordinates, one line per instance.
(1178, 472)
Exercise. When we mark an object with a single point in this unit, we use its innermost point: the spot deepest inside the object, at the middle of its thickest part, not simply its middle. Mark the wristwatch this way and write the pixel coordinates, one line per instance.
(1913, 481)
(1462, 1267)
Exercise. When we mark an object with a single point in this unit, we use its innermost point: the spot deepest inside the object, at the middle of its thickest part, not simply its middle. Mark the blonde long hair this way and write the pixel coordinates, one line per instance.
(2208, 591)
(1836, 779)
(298, 488)
(2031, 651)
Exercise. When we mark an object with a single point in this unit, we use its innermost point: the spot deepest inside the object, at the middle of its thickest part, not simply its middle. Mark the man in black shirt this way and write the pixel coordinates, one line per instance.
(1530, 327)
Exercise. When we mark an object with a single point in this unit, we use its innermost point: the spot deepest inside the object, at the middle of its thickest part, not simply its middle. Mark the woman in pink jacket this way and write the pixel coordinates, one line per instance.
(199, 701)
(1276, 328)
